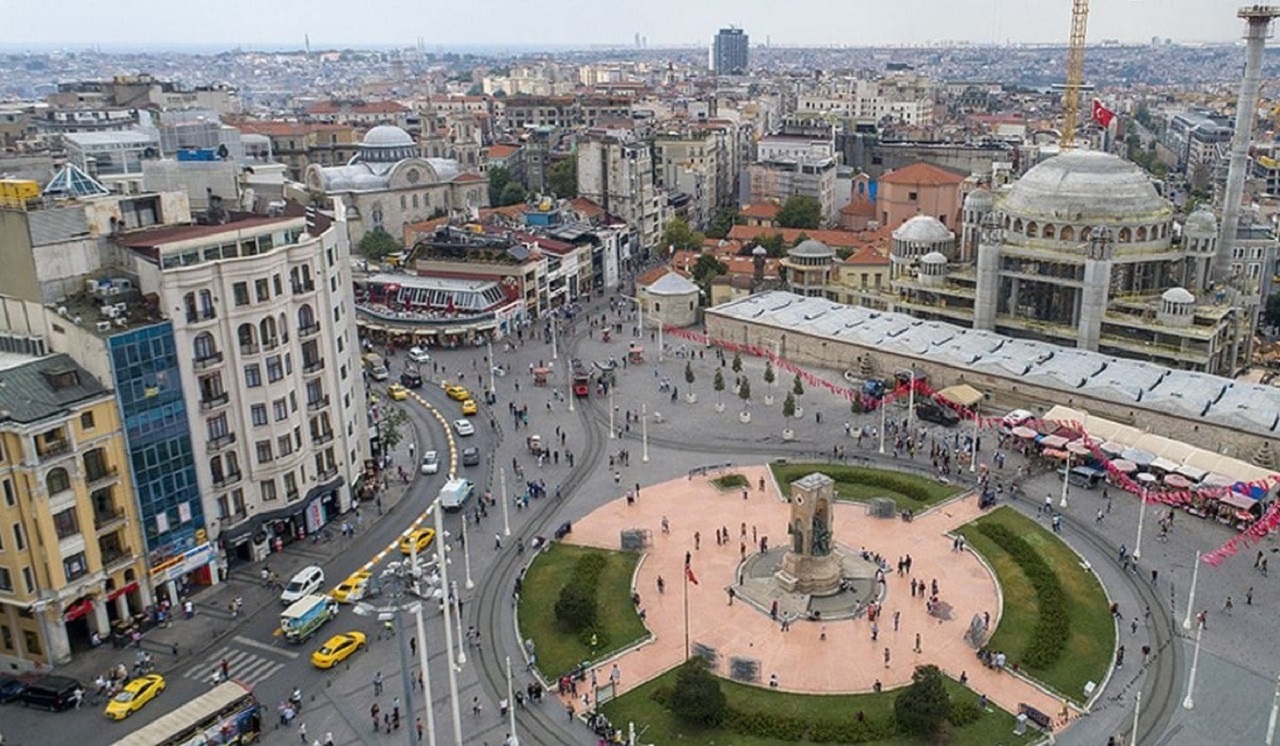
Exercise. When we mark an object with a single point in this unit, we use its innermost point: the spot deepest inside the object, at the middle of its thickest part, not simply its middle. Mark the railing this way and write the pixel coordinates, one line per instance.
(113, 558)
(308, 330)
(54, 448)
(322, 438)
(105, 520)
(94, 476)
(213, 402)
(303, 287)
(318, 403)
(250, 348)
(220, 442)
(315, 366)
(329, 473)
(226, 480)
(208, 361)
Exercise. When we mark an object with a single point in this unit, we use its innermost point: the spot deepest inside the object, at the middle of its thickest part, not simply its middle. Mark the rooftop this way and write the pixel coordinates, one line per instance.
(923, 173)
(45, 387)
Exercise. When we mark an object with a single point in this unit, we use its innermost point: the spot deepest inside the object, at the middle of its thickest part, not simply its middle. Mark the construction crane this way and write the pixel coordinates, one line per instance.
(1075, 73)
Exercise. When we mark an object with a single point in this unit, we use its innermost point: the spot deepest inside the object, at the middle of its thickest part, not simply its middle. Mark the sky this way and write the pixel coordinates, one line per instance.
(582, 23)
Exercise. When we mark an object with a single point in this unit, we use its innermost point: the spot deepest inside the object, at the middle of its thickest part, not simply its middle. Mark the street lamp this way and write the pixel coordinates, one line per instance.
(1189, 702)
(492, 365)
(884, 405)
(457, 600)
(466, 554)
(1066, 481)
(1191, 597)
(612, 432)
(443, 564)
(973, 453)
(911, 406)
(422, 650)
(644, 433)
(506, 520)
(1275, 711)
(1142, 514)
(555, 352)
(511, 707)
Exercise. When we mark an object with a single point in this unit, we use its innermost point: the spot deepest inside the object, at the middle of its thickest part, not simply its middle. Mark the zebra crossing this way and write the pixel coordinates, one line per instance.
(243, 665)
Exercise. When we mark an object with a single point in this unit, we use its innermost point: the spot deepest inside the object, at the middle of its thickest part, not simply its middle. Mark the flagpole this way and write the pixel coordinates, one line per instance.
(686, 612)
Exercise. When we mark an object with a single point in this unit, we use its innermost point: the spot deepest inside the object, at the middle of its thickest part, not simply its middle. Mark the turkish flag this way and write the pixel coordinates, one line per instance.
(1101, 114)
(688, 573)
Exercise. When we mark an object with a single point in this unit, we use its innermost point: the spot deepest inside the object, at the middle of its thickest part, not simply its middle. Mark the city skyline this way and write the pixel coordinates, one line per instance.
(800, 23)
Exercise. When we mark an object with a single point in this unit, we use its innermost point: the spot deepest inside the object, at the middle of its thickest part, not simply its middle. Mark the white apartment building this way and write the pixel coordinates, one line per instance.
(617, 173)
(264, 322)
(903, 97)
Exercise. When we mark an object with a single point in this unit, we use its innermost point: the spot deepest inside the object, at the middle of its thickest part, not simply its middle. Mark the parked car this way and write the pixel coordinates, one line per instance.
(134, 696)
(411, 379)
(929, 410)
(430, 462)
(464, 427)
(11, 688)
(419, 355)
(471, 456)
(51, 693)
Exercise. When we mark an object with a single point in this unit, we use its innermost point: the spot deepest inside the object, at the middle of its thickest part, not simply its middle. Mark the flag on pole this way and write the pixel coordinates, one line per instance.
(688, 574)
(1101, 114)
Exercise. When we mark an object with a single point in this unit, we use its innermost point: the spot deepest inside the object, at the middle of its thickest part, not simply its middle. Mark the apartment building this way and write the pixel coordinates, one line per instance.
(616, 172)
(72, 557)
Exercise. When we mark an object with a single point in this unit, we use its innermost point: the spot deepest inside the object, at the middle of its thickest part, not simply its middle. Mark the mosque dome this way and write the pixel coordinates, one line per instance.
(923, 228)
(386, 144)
(1088, 186)
(1202, 222)
(811, 249)
(1178, 295)
(979, 199)
(934, 257)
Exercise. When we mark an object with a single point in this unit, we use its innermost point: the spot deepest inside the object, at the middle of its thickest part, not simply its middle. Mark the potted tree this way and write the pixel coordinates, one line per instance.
(718, 384)
(769, 378)
(797, 389)
(789, 410)
(744, 393)
(689, 379)
(737, 362)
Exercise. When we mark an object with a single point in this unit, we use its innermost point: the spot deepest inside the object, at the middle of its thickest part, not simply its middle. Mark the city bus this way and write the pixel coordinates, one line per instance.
(225, 715)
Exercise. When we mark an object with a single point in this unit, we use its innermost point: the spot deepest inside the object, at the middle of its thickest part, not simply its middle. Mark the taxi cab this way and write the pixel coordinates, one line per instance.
(421, 538)
(337, 649)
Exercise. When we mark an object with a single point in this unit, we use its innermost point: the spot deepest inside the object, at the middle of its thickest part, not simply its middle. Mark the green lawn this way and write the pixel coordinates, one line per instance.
(861, 483)
(558, 651)
(655, 724)
(1089, 648)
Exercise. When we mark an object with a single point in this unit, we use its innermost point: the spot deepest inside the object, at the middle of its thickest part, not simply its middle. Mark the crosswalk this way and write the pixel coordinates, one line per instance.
(243, 665)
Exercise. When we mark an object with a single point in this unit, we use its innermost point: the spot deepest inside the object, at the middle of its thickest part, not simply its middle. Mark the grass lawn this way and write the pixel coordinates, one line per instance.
(861, 483)
(1089, 648)
(558, 651)
(655, 724)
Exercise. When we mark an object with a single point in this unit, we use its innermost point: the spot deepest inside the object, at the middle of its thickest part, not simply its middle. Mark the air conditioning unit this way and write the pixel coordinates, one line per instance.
(107, 311)
(104, 326)
(121, 321)
(91, 286)
(113, 290)
(121, 308)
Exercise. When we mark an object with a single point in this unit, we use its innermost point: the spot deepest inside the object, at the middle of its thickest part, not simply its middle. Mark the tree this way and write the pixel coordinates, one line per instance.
(789, 405)
(737, 362)
(1272, 313)
(680, 235)
(718, 382)
(769, 377)
(722, 223)
(744, 390)
(498, 180)
(576, 608)
(512, 194)
(562, 178)
(688, 372)
(706, 269)
(773, 243)
(923, 707)
(797, 387)
(391, 428)
(801, 237)
(697, 698)
(377, 243)
(800, 211)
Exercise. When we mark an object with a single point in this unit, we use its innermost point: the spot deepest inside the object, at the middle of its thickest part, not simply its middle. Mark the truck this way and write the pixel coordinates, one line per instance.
(376, 366)
(306, 615)
(455, 493)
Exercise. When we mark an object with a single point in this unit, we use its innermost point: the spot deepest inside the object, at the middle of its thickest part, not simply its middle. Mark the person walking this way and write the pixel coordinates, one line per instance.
(497, 541)
(887, 656)
(377, 684)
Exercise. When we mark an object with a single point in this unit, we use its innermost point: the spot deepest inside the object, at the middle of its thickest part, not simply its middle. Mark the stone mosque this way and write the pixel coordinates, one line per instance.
(1082, 251)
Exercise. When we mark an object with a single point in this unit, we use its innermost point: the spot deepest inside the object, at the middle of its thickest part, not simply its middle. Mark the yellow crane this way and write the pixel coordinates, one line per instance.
(1075, 73)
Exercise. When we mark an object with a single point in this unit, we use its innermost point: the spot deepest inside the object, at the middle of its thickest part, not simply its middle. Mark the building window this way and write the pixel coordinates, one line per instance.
(86, 421)
(29, 579)
(32, 641)
(259, 414)
(281, 409)
(10, 497)
(268, 489)
(240, 291)
(65, 523)
(57, 481)
(284, 444)
(6, 634)
(290, 487)
(275, 371)
(252, 376)
(264, 451)
(261, 290)
(6, 585)
(75, 566)
(277, 285)
(217, 427)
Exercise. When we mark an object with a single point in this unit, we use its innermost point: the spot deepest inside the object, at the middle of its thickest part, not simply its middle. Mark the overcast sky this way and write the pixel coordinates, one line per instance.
(275, 23)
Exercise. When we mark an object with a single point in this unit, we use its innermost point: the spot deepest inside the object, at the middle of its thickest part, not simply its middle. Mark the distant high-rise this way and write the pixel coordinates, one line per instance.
(729, 52)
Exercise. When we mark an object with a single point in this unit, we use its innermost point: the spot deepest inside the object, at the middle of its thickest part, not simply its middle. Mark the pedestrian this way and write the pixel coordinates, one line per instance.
(697, 540)
(497, 541)
(302, 732)
(662, 585)
(731, 595)
(1133, 626)
(896, 616)
(78, 696)
(886, 657)
(1228, 605)
(1248, 597)
(918, 642)
(377, 685)
(1154, 574)
(225, 666)
(666, 525)
(373, 712)
(418, 726)
(328, 739)
(875, 631)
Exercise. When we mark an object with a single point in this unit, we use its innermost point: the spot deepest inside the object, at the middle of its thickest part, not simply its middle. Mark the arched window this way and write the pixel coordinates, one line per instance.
(189, 305)
(206, 304)
(1068, 233)
(1017, 225)
(57, 481)
(1124, 235)
(284, 328)
(1050, 231)
(215, 470)
(267, 328)
(1033, 230)
(246, 335)
(205, 347)
(306, 317)
(1142, 233)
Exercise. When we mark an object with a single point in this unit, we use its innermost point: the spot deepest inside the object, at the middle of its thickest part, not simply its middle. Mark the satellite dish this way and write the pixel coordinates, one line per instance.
(223, 152)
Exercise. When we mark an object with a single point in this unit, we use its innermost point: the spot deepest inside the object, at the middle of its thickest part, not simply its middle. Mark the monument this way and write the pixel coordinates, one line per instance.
(811, 566)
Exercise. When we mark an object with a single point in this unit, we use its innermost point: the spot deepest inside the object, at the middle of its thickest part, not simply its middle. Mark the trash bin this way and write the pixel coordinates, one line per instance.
(1020, 725)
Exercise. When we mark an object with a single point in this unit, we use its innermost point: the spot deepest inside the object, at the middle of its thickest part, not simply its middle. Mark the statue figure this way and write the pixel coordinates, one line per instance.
(797, 538)
(821, 537)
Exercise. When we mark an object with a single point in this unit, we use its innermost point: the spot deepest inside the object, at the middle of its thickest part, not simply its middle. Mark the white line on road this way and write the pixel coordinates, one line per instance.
(264, 646)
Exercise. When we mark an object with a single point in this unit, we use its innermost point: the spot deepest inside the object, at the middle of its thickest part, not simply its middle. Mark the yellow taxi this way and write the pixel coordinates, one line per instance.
(351, 589)
(457, 392)
(420, 538)
(469, 407)
(397, 392)
(134, 695)
(337, 648)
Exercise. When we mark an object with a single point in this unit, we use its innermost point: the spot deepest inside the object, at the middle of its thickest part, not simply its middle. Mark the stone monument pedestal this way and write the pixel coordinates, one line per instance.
(814, 576)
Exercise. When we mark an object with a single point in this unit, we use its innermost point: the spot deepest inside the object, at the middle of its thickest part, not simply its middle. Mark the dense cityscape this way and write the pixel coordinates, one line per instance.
(378, 393)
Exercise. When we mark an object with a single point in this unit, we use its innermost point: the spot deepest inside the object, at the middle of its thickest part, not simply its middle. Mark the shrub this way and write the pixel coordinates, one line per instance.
(965, 712)
(576, 608)
(730, 482)
(1053, 625)
(797, 387)
(789, 405)
(737, 362)
(922, 708)
(718, 382)
(697, 697)
(744, 390)
(769, 377)
(688, 373)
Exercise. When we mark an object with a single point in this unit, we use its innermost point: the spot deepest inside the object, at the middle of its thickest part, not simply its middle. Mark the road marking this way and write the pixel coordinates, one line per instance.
(264, 646)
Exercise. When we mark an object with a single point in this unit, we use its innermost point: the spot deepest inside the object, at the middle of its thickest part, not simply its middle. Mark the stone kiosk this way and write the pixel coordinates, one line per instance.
(811, 566)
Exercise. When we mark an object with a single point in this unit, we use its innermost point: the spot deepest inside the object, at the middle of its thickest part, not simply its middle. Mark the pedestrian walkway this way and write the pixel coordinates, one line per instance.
(243, 665)
(848, 659)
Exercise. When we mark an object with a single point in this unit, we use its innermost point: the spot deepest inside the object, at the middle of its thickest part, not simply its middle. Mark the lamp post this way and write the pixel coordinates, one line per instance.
(1137, 710)
(492, 365)
(911, 405)
(443, 564)
(555, 351)
(883, 407)
(1066, 482)
(644, 433)
(612, 433)
(1142, 515)
(506, 520)
(973, 452)
(570, 376)
(466, 554)
(457, 619)
(1275, 711)
(511, 709)
(422, 650)
(1189, 702)
(1191, 596)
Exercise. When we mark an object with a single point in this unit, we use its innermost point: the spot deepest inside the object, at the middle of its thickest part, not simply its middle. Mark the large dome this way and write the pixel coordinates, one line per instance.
(924, 229)
(386, 136)
(1086, 187)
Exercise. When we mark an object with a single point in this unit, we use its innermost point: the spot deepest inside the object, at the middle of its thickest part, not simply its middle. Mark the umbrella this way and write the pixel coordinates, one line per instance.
(1053, 453)
(1145, 477)
(1138, 456)
(1024, 432)
(1113, 448)
(1124, 465)
(1053, 441)
(1078, 448)
(1177, 480)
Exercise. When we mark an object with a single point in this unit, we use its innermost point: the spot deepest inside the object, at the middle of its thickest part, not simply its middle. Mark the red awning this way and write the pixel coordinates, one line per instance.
(130, 588)
(78, 609)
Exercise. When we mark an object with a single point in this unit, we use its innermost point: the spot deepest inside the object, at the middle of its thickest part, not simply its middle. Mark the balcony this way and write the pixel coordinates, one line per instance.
(53, 448)
(100, 477)
(329, 473)
(313, 367)
(317, 404)
(301, 288)
(222, 481)
(322, 438)
(250, 348)
(210, 403)
(113, 558)
(208, 361)
(310, 330)
(220, 442)
(104, 521)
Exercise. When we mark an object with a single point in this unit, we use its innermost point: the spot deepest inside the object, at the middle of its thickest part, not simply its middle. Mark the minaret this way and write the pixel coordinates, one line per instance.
(990, 242)
(1094, 297)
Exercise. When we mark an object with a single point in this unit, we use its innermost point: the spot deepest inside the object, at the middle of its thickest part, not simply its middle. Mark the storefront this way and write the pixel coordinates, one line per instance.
(265, 533)
(174, 577)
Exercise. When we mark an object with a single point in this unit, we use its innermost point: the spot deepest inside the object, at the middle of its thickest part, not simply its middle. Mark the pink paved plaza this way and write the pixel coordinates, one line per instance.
(847, 660)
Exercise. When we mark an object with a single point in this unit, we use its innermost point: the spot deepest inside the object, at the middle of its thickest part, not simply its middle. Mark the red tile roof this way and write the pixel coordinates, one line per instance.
(371, 107)
(834, 239)
(763, 210)
(501, 151)
(586, 207)
(924, 174)
(467, 177)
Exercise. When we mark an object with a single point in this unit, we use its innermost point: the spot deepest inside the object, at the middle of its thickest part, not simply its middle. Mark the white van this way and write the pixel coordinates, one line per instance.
(307, 581)
(455, 493)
